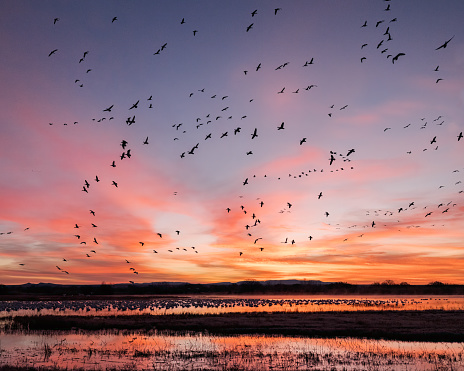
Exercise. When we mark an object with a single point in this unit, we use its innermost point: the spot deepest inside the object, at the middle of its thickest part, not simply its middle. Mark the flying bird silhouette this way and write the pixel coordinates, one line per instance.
(445, 44)
(395, 58)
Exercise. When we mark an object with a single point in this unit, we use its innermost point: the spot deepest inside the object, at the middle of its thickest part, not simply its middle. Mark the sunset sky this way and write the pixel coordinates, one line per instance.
(391, 209)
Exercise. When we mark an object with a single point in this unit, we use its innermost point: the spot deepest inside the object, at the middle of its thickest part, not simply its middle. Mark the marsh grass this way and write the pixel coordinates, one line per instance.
(247, 353)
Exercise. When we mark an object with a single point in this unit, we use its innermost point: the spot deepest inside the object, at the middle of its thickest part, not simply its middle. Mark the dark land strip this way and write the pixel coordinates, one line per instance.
(429, 325)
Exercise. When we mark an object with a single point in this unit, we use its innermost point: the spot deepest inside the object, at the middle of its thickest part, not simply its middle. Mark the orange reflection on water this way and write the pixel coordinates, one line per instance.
(134, 350)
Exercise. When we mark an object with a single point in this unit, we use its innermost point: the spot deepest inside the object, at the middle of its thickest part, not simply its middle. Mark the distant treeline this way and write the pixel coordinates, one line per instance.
(245, 287)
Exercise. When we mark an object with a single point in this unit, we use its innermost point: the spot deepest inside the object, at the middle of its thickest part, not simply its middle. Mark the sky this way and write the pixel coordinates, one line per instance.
(354, 173)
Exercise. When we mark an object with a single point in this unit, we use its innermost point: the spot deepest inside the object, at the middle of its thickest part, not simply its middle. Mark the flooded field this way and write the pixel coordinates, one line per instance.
(224, 304)
(234, 333)
(171, 351)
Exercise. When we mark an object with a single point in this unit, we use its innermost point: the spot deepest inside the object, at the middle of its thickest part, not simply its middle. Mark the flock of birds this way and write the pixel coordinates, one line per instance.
(86, 233)
(211, 305)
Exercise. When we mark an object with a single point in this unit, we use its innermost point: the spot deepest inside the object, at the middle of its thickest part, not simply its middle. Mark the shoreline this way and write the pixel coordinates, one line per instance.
(427, 326)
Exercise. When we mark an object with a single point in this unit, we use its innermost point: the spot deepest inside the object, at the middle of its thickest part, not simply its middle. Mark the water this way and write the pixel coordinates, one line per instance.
(158, 351)
(226, 304)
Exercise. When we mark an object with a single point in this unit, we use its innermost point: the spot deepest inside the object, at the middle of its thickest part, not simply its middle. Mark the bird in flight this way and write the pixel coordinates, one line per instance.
(445, 44)
(281, 127)
(55, 20)
(395, 58)
(249, 27)
(135, 104)
(114, 19)
(255, 133)
(459, 136)
(332, 159)
(53, 52)
(302, 141)
(276, 10)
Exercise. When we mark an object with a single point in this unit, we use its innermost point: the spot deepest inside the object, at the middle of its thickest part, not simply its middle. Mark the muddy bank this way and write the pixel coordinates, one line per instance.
(430, 325)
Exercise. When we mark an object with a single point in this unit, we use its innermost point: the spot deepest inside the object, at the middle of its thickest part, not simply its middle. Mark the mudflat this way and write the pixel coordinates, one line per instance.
(428, 325)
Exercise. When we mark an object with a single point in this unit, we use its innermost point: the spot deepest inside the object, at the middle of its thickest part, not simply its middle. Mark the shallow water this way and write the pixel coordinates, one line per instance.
(170, 351)
(227, 304)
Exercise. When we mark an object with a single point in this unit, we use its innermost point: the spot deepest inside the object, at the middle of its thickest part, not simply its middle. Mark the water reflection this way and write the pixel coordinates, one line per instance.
(168, 351)
(214, 305)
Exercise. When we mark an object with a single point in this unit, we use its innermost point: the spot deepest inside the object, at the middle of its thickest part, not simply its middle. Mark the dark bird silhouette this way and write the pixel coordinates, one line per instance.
(249, 27)
(55, 20)
(362, 59)
(276, 10)
(146, 141)
(255, 133)
(195, 32)
(332, 159)
(52, 52)
(434, 140)
(395, 58)
(115, 184)
(379, 22)
(164, 46)
(254, 12)
(319, 196)
(365, 24)
(135, 105)
(436, 82)
(445, 44)
(159, 234)
(459, 136)
(258, 67)
(436, 68)
(92, 212)
(109, 108)
(350, 152)
(282, 91)
(303, 140)
(245, 182)
(281, 127)
(114, 19)
(182, 21)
